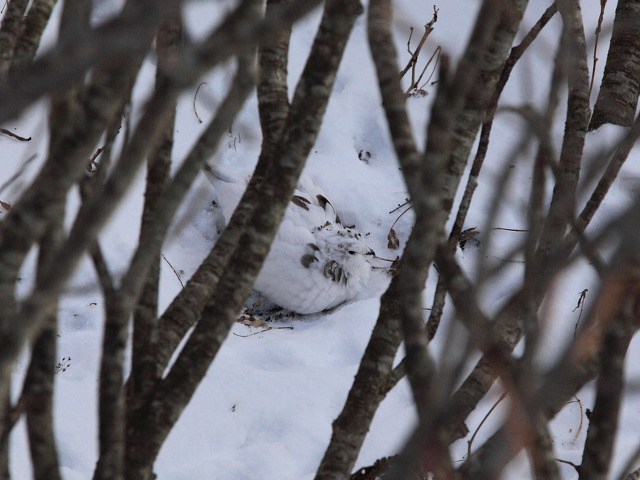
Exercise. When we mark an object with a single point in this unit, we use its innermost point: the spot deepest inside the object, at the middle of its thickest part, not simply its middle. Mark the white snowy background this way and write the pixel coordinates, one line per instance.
(265, 408)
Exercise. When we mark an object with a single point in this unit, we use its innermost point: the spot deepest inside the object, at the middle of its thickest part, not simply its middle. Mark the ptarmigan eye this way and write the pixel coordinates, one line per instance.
(351, 252)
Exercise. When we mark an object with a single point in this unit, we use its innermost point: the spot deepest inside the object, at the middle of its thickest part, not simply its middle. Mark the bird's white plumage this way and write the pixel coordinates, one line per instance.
(315, 263)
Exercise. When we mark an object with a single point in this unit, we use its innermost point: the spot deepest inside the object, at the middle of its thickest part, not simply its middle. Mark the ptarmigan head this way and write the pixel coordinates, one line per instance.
(340, 252)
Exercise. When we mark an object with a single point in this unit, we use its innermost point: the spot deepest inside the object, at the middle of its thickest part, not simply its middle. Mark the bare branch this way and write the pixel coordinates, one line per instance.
(144, 369)
(618, 158)
(420, 248)
(187, 307)
(563, 201)
(31, 32)
(73, 143)
(168, 399)
(38, 385)
(618, 96)
(603, 4)
(603, 423)
(273, 98)
(580, 362)
(14, 135)
(9, 33)
(472, 181)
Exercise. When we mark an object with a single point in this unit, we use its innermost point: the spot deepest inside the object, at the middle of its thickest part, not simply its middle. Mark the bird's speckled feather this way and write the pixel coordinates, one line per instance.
(315, 263)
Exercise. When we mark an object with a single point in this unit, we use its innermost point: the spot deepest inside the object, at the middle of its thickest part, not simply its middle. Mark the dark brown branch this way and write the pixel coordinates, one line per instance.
(374, 471)
(437, 308)
(476, 78)
(110, 398)
(522, 306)
(273, 99)
(39, 404)
(428, 28)
(603, 422)
(167, 401)
(195, 96)
(561, 211)
(515, 55)
(618, 158)
(73, 143)
(4, 131)
(144, 371)
(8, 422)
(368, 390)
(125, 38)
(618, 96)
(112, 405)
(420, 248)
(482, 422)
(415, 83)
(31, 32)
(495, 29)
(105, 280)
(186, 308)
(603, 4)
(349, 432)
(369, 387)
(615, 311)
(38, 385)
(483, 145)
(144, 368)
(545, 465)
(9, 33)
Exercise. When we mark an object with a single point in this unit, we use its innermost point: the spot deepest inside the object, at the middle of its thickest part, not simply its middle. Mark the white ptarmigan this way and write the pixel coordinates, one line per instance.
(315, 263)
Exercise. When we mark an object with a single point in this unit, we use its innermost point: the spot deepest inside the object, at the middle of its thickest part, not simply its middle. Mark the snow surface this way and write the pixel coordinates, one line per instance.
(265, 408)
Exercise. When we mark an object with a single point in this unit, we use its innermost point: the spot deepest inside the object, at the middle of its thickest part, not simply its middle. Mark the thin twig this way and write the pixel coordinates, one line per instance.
(510, 229)
(262, 331)
(581, 417)
(603, 4)
(580, 305)
(567, 462)
(428, 28)
(384, 259)
(406, 202)
(580, 425)
(96, 153)
(380, 467)
(11, 134)
(194, 101)
(470, 442)
(174, 270)
(400, 216)
(415, 89)
(91, 166)
(436, 54)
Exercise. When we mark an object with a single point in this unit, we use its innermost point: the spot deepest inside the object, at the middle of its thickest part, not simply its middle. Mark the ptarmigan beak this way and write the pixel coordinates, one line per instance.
(371, 252)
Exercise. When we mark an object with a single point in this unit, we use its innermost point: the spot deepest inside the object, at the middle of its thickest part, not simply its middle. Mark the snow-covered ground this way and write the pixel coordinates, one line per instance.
(265, 408)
